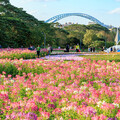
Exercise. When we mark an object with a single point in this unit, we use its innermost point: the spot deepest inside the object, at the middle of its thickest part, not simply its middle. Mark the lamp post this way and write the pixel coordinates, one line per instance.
(105, 43)
(44, 39)
(80, 43)
(81, 37)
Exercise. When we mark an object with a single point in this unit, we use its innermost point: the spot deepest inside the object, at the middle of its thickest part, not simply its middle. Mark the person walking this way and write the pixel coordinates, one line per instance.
(49, 49)
(77, 48)
(111, 49)
(93, 49)
(38, 50)
(67, 48)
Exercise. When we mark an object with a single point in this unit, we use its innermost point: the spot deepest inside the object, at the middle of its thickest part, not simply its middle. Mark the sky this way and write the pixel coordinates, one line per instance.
(106, 11)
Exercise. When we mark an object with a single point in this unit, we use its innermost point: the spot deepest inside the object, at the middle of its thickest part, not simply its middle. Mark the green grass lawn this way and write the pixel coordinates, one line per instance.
(111, 57)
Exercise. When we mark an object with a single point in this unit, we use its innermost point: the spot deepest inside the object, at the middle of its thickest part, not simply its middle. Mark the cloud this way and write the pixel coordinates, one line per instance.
(115, 11)
(44, 5)
(118, 0)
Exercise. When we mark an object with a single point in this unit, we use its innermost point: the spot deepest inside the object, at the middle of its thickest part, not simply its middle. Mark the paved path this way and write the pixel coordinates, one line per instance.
(63, 57)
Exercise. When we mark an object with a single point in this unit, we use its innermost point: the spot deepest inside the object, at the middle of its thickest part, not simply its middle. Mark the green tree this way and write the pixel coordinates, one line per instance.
(61, 37)
(97, 44)
(97, 27)
(76, 33)
(89, 37)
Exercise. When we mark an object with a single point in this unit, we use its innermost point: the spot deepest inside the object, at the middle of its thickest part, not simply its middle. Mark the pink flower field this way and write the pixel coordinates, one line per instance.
(65, 90)
(18, 53)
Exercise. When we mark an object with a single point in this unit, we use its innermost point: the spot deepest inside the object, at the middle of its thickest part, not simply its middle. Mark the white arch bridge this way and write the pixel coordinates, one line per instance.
(61, 16)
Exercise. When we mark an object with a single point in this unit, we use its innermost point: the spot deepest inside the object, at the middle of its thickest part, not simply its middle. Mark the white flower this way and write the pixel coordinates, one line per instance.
(2, 76)
(67, 89)
(75, 92)
(61, 118)
(80, 91)
(12, 81)
(83, 87)
(116, 105)
(63, 109)
(69, 108)
(75, 108)
(27, 89)
(4, 92)
(83, 83)
(100, 103)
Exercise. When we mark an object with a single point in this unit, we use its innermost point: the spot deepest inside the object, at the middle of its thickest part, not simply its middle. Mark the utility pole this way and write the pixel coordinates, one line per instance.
(105, 43)
(44, 39)
(80, 43)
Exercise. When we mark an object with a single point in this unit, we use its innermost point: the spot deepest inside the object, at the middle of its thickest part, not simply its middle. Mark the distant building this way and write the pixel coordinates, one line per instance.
(91, 23)
(63, 25)
(58, 25)
(111, 27)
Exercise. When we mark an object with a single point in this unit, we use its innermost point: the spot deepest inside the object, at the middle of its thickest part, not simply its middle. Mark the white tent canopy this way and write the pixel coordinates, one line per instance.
(115, 47)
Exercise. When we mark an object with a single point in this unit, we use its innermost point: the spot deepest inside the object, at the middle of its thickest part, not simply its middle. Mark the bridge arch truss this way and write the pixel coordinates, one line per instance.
(61, 16)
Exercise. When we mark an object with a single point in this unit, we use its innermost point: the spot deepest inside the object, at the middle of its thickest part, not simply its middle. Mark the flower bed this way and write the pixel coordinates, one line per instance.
(20, 53)
(19, 67)
(64, 90)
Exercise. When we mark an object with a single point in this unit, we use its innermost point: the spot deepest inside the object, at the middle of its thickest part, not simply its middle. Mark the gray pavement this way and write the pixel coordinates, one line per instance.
(63, 57)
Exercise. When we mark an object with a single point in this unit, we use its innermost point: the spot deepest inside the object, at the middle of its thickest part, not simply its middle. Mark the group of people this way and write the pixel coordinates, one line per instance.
(31, 47)
(91, 49)
(50, 49)
(113, 49)
(38, 48)
(77, 48)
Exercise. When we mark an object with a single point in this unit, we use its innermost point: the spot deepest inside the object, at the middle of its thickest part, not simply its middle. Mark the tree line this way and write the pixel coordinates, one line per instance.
(18, 28)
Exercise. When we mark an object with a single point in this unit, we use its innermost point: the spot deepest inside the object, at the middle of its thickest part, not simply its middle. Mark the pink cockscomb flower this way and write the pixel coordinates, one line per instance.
(100, 117)
(51, 106)
(118, 114)
(89, 111)
(56, 111)
(46, 115)
(31, 116)
(107, 106)
(31, 105)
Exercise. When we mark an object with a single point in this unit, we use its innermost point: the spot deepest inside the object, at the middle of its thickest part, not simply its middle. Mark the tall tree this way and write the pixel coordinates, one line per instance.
(89, 37)
(76, 33)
